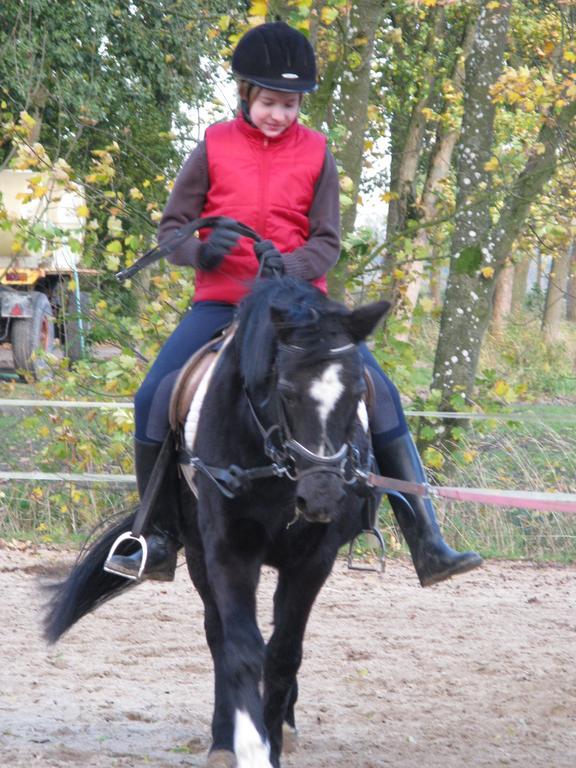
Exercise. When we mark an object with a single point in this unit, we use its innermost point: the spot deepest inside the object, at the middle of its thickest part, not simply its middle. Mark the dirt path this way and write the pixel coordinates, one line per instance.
(478, 672)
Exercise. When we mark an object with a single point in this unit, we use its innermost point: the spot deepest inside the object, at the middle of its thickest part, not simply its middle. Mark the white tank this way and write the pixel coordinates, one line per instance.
(58, 207)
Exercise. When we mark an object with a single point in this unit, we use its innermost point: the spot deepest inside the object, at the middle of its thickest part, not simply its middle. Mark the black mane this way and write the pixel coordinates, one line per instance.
(256, 339)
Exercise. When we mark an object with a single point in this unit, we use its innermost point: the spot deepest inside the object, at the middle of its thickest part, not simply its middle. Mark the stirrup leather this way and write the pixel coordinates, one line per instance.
(129, 536)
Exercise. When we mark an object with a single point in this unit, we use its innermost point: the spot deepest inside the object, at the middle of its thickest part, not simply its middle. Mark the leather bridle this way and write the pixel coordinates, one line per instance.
(286, 453)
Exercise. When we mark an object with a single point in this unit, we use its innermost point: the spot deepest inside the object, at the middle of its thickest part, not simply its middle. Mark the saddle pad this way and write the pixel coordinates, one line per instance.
(191, 376)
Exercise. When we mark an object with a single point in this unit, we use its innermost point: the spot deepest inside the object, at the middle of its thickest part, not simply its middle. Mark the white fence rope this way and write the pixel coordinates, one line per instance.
(544, 501)
(471, 416)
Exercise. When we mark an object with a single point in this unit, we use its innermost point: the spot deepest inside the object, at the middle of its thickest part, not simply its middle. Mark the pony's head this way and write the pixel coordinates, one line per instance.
(300, 361)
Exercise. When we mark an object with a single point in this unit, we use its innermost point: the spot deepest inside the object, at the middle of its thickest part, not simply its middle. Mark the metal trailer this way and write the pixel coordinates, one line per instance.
(40, 296)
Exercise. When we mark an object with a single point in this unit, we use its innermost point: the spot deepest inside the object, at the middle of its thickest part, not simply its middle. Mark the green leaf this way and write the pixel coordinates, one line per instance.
(114, 246)
(468, 261)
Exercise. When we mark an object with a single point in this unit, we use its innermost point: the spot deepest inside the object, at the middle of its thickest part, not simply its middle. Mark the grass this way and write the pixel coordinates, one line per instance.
(539, 455)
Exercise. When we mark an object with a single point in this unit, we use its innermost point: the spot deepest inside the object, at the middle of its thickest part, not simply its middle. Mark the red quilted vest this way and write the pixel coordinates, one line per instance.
(265, 183)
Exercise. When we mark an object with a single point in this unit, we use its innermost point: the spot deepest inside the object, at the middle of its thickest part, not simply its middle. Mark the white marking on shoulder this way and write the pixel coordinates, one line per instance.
(191, 423)
(327, 390)
(363, 415)
(250, 750)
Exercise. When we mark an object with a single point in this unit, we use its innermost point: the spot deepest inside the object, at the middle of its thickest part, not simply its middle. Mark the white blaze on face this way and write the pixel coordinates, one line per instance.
(250, 750)
(327, 390)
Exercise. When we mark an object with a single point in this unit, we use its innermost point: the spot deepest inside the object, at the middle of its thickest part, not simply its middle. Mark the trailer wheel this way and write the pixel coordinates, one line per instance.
(76, 326)
(30, 335)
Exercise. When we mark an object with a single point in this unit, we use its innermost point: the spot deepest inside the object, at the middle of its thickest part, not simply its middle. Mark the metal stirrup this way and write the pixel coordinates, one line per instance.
(381, 564)
(127, 537)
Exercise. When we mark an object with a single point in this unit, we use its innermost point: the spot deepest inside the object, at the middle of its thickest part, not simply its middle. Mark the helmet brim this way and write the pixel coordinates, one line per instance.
(284, 85)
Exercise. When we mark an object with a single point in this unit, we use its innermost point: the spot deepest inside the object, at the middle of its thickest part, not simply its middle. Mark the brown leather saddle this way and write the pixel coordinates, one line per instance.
(192, 374)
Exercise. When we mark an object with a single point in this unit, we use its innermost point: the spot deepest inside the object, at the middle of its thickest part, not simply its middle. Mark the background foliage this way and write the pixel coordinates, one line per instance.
(113, 95)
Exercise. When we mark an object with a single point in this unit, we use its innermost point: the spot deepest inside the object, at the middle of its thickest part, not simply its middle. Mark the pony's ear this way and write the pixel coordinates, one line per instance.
(361, 322)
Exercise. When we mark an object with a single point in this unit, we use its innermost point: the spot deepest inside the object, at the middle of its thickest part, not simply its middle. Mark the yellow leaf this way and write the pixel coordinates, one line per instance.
(387, 196)
(487, 272)
(40, 191)
(492, 164)
(501, 388)
(346, 184)
(433, 458)
(529, 105)
(169, 58)
(426, 305)
(493, 5)
(429, 114)
(258, 8)
(469, 456)
(328, 15)
(135, 194)
(224, 23)
(27, 119)
(569, 56)
(83, 211)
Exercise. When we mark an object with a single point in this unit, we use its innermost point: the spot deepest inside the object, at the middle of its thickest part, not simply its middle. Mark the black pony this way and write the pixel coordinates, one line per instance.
(285, 405)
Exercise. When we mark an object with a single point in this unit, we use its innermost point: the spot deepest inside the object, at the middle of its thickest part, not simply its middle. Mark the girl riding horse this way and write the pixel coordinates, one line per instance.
(268, 171)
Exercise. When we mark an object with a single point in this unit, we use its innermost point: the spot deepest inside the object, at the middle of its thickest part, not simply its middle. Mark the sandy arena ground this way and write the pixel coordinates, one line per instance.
(476, 672)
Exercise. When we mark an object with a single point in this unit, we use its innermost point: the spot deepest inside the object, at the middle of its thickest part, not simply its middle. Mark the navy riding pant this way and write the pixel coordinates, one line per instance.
(196, 328)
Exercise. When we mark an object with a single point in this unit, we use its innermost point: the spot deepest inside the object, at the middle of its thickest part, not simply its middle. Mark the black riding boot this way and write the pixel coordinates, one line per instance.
(162, 541)
(433, 559)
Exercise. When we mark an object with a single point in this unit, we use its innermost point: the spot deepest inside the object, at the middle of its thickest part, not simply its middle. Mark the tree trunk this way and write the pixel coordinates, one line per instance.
(502, 299)
(468, 295)
(555, 305)
(355, 91)
(438, 170)
(571, 298)
(520, 286)
(364, 19)
(479, 249)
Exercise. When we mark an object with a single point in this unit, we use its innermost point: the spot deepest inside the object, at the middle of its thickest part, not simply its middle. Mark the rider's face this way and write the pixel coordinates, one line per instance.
(274, 111)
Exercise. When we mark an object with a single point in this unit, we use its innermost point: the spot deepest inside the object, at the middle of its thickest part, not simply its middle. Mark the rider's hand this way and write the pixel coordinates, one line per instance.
(213, 250)
(270, 258)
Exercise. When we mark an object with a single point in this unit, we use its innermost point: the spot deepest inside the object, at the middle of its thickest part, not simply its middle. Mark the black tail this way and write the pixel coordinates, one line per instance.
(87, 585)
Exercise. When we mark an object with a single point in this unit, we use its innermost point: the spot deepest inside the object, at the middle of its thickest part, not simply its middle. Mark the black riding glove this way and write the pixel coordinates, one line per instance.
(270, 257)
(213, 250)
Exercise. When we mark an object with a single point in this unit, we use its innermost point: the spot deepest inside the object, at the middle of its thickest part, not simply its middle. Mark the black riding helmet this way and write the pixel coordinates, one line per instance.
(277, 57)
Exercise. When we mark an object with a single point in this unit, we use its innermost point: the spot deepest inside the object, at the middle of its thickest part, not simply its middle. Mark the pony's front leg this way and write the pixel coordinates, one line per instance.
(234, 579)
(295, 595)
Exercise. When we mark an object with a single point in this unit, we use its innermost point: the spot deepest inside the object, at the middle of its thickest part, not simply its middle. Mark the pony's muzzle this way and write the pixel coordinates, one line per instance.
(318, 495)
